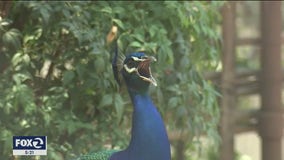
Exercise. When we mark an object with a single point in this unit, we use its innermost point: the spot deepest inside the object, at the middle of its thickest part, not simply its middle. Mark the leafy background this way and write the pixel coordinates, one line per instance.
(56, 76)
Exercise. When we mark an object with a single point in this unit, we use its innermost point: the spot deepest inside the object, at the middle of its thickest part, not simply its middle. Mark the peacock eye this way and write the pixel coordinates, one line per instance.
(131, 63)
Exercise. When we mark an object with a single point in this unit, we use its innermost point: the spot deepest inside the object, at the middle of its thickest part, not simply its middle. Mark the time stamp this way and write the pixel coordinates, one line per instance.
(29, 152)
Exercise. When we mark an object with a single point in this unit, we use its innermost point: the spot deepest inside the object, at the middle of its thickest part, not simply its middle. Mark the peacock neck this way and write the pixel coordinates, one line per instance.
(149, 135)
(149, 139)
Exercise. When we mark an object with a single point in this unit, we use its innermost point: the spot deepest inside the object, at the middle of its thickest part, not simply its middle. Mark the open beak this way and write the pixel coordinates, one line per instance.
(144, 70)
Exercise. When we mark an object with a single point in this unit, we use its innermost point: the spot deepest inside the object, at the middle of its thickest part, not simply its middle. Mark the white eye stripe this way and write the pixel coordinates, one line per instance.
(129, 70)
(137, 59)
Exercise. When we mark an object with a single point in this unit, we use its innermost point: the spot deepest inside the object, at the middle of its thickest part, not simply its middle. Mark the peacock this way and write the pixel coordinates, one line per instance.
(149, 139)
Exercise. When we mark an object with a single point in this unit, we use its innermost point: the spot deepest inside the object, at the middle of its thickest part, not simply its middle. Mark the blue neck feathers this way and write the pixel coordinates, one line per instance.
(149, 139)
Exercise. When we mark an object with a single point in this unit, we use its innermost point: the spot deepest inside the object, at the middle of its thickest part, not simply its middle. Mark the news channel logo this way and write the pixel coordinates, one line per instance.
(29, 145)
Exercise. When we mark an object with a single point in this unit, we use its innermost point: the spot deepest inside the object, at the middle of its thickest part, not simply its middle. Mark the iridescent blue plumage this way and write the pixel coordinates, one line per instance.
(149, 140)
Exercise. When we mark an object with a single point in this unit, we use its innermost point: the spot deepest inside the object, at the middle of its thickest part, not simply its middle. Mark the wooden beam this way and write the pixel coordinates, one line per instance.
(271, 115)
(252, 41)
(247, 41)
(228, 100)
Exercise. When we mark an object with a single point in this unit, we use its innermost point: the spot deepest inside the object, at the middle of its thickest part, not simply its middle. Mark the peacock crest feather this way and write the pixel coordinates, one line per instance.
(117, 63)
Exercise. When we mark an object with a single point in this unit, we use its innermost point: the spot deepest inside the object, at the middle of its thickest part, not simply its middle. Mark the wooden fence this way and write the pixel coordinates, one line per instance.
(267, 82)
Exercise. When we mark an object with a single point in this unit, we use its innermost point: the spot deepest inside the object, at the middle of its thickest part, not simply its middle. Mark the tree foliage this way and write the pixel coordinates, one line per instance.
(56, 77)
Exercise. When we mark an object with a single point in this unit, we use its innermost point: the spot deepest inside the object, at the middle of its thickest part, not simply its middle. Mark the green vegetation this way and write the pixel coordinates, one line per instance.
(56, 77)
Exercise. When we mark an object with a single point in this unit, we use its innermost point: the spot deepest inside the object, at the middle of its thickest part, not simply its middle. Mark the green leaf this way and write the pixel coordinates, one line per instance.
(181, 111)
(99, 65)
(4, 22)
(45, 13)
(119, 23)
(174, 101)
(119, 106)
(20, 77)
(135, 44)
(12, 38)
(106, 100)
(106, 9)
(68, 76)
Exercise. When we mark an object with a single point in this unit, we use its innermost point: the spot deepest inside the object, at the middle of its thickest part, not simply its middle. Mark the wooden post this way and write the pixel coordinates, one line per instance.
(228, 99)
(271, 117)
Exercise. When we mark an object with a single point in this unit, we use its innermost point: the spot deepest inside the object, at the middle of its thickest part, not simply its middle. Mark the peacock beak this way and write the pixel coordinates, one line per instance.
(144, 70)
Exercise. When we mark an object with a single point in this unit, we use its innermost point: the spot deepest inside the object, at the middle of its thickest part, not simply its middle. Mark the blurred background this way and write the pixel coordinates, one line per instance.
(219, 74)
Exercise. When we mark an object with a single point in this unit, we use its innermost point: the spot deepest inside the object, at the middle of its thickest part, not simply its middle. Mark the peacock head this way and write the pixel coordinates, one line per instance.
(136, 71)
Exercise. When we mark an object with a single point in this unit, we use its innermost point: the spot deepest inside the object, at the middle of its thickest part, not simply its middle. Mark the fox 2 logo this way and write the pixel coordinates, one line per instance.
(29, 142)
